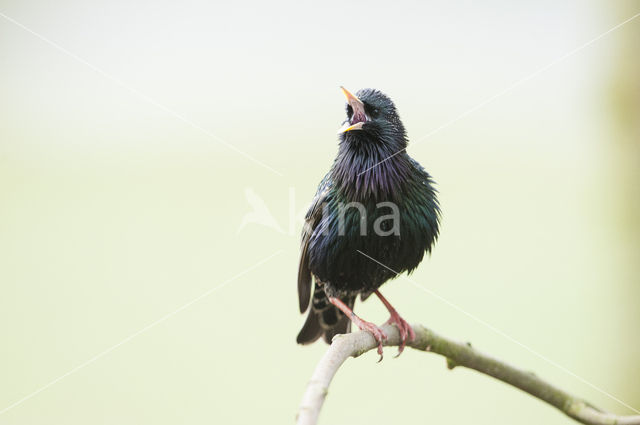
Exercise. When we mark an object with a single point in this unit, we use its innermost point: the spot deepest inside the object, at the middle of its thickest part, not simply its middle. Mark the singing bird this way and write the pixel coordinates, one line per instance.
(374, 216)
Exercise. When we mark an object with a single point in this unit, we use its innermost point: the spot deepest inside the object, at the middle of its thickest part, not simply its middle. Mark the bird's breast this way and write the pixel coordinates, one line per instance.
(359, 245)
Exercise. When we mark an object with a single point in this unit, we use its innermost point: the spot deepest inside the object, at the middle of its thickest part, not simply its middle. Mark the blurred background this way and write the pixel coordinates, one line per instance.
(123, 194)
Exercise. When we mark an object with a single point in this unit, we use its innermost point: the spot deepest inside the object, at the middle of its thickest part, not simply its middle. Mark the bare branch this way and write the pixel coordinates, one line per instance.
(457, 354)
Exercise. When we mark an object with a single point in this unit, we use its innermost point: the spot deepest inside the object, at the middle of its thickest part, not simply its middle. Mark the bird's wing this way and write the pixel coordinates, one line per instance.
(311, 221)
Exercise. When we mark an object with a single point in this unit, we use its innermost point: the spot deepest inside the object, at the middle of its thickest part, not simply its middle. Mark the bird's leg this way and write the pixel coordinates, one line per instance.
(374, 330)
(395, 319)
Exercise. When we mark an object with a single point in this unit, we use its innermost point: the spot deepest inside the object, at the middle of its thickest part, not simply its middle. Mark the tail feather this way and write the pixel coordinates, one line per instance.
(324, 319)
(342, 327)
(311, 330)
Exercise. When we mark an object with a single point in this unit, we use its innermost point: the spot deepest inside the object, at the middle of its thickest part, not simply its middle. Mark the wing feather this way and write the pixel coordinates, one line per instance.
(311, 222)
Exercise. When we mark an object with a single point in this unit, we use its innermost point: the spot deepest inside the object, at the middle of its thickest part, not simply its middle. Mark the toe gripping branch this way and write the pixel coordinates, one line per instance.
(363, 325)
(406, 332)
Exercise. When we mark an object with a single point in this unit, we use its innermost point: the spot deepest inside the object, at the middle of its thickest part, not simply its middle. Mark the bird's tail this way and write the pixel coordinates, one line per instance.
(324, 319)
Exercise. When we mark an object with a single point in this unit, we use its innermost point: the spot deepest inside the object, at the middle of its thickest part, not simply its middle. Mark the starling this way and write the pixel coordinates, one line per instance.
(375, 214)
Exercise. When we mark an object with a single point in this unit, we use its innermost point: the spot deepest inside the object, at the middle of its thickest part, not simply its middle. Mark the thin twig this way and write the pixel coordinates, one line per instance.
(457, 354)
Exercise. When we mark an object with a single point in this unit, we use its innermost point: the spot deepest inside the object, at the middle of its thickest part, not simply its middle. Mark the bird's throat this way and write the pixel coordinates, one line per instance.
(362, 174)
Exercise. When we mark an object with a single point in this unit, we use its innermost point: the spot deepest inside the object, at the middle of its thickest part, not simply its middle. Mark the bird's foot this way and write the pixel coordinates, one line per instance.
(373, 329)
(404, 328)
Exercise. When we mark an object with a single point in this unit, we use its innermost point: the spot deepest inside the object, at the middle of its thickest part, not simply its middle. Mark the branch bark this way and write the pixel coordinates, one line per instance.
(457, 354)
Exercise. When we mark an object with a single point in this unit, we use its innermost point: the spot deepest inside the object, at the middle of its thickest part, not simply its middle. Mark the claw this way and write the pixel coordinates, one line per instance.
(404, 328)
(374, 330)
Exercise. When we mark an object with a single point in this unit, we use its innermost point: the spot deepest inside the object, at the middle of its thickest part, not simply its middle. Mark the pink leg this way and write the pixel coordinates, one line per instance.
(395, 319)
(377, 333)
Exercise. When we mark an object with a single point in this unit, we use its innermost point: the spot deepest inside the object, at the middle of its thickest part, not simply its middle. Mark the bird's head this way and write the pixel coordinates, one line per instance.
(372, 118)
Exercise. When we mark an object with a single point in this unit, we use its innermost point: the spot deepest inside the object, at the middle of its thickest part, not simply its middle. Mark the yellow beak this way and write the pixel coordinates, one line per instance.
(359, 117)
(351, 98)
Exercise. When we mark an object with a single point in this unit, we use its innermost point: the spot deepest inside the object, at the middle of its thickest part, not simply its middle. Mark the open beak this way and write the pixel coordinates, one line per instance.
(359, 117)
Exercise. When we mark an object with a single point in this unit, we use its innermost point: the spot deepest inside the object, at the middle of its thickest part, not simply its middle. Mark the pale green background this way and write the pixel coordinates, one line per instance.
(114, 213)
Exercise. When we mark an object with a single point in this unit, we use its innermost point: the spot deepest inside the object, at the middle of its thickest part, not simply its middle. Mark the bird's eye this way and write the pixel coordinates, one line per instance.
(374, 113)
